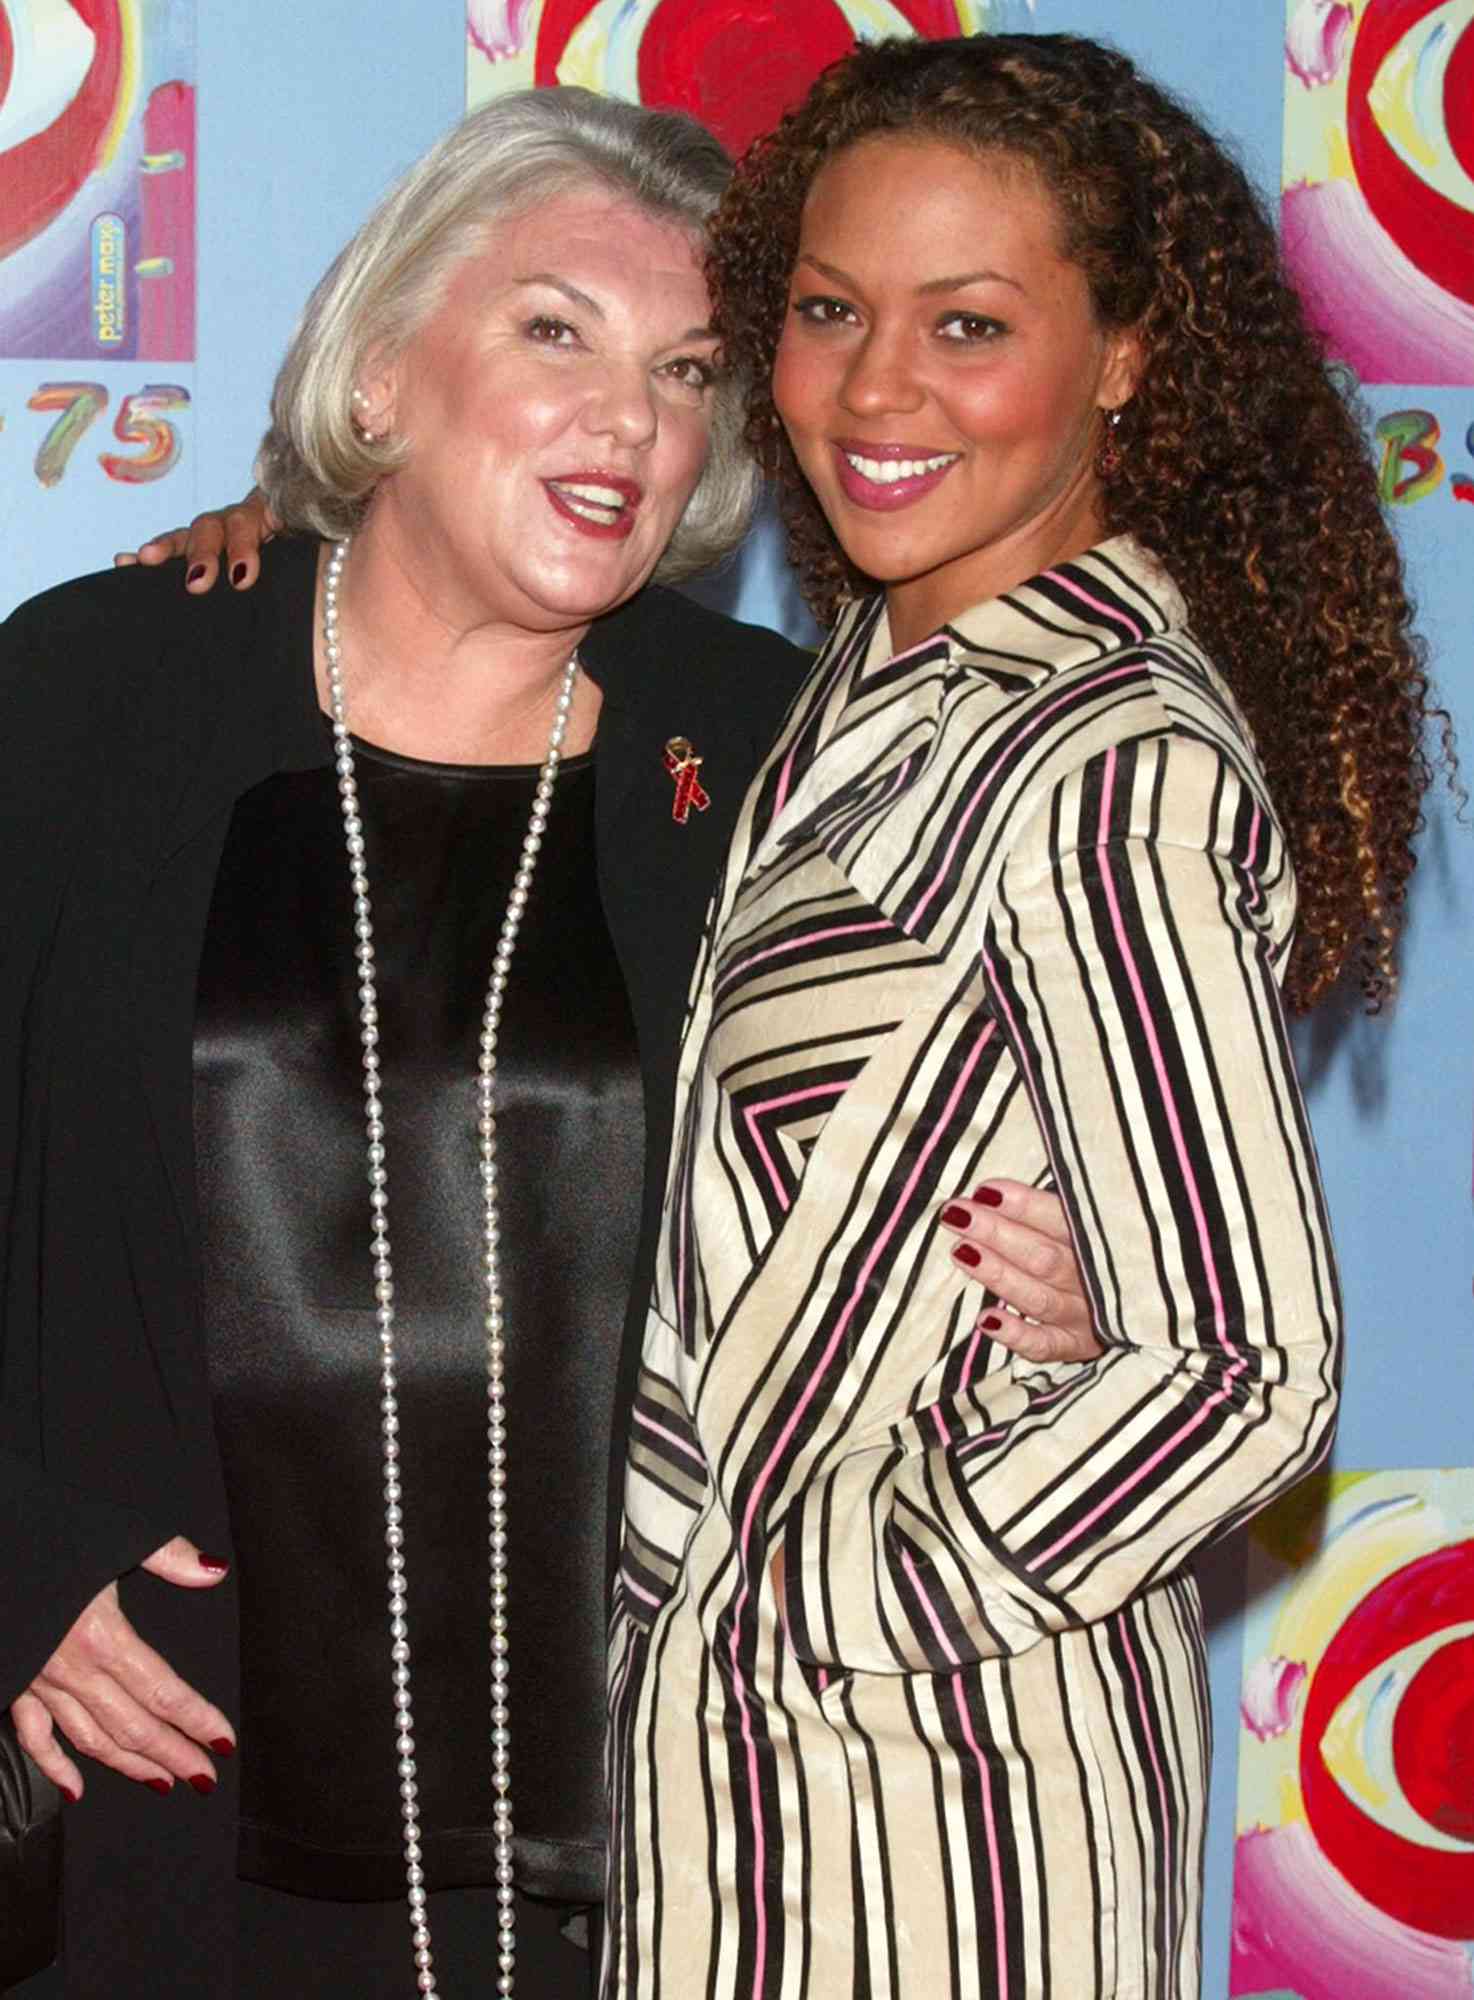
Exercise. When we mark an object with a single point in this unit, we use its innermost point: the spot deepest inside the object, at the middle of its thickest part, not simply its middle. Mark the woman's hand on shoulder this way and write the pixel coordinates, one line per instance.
(119, 1701)
(1014, 1239)
(236, 532)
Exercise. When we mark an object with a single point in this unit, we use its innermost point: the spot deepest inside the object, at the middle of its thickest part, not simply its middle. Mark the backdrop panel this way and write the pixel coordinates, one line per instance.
(304, 114)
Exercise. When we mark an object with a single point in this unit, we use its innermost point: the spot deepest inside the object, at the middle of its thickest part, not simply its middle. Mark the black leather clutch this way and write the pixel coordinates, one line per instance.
(30, 1862)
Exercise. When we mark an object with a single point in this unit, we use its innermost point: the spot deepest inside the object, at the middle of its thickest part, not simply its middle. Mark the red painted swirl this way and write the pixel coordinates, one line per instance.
(737, 65)
(1428, 1887)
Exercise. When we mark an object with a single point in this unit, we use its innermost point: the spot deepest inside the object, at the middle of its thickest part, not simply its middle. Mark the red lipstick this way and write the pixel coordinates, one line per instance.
(601, 504)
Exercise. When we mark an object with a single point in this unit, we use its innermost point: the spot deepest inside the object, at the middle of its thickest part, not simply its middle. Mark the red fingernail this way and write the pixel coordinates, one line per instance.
(201, 1784)
(956, 1218)
(238, 573)
(71, 1797)
(990, 1322)
(194, 574)
(988, 1196)
(212, 1563)
(222, 1746)
(159, 1785)
(968, 1253)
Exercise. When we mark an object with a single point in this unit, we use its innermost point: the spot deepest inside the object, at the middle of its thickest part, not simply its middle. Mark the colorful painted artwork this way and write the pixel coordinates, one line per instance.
(1412, 444)
(735, 64)
(97, 180)
(1377, 212)
(1354, 1850)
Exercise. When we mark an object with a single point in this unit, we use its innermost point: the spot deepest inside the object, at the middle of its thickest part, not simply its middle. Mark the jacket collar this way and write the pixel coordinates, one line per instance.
(1112, 596)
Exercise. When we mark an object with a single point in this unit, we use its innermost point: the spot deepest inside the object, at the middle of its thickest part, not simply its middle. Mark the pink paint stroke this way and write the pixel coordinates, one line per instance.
(498, 28)
(1375, 309)
(1271, 1690)
(1316, 41)
(1299, 1925)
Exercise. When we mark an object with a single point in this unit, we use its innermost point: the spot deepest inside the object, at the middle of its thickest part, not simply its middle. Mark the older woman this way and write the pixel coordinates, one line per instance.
(906, 1672)
(289, 1189)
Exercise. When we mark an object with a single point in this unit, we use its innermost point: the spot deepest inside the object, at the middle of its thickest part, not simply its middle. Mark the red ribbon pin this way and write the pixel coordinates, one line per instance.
(683, 764)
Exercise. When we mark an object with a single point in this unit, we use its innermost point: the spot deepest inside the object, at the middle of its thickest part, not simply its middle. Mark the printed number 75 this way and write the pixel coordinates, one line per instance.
(139, 422)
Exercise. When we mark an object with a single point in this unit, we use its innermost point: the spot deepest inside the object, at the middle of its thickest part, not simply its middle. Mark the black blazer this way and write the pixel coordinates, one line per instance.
(132, 717)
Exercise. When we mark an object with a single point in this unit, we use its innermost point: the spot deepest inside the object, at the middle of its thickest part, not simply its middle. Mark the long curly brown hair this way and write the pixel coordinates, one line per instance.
(1243, 467)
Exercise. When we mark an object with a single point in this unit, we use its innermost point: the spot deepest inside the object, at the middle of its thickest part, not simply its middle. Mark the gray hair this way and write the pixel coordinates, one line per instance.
(316, 468)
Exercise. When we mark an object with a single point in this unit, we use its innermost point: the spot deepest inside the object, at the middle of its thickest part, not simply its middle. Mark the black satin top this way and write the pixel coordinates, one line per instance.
(292, 1341)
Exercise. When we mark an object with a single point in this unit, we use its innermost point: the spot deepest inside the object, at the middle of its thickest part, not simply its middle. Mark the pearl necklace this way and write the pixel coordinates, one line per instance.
(496, 1427)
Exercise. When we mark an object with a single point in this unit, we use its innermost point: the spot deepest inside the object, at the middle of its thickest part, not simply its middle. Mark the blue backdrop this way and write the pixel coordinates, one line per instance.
(305, 114)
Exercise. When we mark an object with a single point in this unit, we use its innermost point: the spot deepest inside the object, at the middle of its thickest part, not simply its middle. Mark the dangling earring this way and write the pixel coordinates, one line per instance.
(1108, 460)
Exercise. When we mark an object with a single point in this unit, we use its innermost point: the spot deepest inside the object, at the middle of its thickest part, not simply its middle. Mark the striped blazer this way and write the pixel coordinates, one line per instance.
(1012, 902)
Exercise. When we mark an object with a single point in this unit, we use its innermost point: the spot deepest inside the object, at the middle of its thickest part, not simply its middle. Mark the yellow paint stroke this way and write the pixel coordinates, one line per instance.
(1292, 1799)
(1338, 148)
(1315, 119)
(875, 20)
(1341, 1748)
(979, 17)
(585, 57)
(1391, 101)
(1347, 1568)
(128, 75)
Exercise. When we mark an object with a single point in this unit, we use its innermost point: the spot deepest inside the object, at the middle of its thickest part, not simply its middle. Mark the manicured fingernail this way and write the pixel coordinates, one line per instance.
(212, 1563)
(238, 573)
(194, 573)
(222, 1746)
(69, 1795)
(201, 1784)
(956, 1218)
(990, 1322)
(968, 1253)
(988, 1196)
(159, 1785)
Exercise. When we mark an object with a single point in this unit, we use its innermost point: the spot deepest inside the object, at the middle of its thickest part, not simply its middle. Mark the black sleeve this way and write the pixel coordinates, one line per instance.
(59, 1543)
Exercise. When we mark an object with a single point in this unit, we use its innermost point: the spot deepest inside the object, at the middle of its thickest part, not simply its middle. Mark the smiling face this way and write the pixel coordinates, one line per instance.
(557, 412)
(941, 375)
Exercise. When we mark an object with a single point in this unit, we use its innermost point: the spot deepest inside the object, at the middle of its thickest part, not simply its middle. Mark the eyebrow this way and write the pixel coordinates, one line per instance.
(557, 284)
(932, 285)
(582, 298)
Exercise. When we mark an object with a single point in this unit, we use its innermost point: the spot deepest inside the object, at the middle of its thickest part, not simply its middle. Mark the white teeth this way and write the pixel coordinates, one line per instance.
(596, 496)
(603, 505)
(887, 471)
(605, 516)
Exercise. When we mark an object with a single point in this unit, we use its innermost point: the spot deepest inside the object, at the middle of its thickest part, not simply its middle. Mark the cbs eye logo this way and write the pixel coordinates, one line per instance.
(1410, 131)
(1387, 1745)
(62, 76)
(737, 67)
